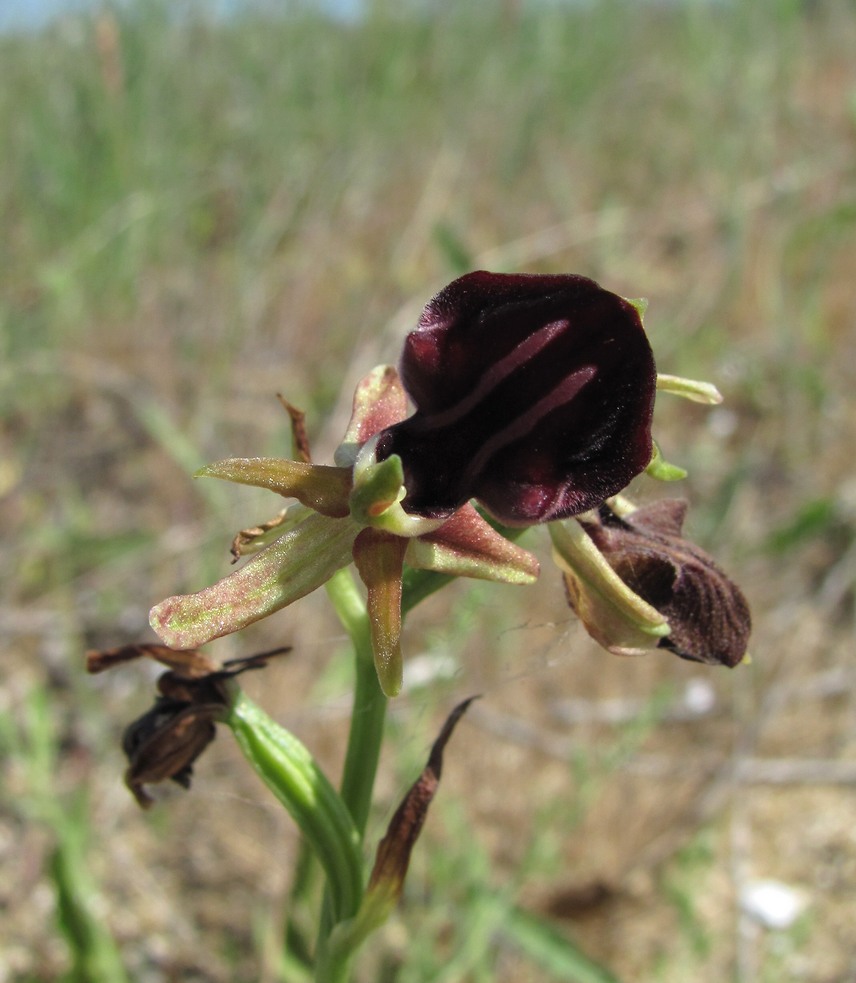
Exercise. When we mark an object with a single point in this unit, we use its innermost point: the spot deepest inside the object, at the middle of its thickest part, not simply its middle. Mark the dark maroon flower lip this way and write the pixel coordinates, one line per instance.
(533, 395)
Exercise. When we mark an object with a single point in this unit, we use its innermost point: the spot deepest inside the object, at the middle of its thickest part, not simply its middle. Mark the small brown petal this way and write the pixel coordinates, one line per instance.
(299, 437)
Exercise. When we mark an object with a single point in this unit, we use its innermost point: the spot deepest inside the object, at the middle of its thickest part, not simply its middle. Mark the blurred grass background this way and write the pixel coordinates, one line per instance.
(199, 213)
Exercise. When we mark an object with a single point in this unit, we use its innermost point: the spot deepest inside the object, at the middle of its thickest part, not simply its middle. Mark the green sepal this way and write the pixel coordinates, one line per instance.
(321, 488)
(302, 559)
(468, 546)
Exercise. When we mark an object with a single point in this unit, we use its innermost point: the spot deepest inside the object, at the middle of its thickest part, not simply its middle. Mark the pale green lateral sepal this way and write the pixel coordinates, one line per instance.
(468, 546)
(612, 613)
(301, 560)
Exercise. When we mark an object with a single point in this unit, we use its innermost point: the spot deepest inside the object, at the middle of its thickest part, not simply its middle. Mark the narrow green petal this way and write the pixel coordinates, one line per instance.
(661, 470)
(322, 488)
(301, 560)
(693, 389)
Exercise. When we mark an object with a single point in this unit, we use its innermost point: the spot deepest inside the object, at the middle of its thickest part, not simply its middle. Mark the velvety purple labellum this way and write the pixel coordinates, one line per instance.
(533, 394)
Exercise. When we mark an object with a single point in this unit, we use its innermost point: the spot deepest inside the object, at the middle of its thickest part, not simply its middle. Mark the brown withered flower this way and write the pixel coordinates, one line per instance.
(707, 615)
(193, 695)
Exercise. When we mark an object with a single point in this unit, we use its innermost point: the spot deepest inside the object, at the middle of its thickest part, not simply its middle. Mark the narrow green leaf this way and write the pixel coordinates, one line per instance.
(294, 777)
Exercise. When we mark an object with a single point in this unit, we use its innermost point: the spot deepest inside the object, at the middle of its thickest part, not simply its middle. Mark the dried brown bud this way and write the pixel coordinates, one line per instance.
(192, 696)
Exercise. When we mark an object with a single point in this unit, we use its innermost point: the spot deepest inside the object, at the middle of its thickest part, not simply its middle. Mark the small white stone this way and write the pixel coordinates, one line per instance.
(699, 697)
(772, 903)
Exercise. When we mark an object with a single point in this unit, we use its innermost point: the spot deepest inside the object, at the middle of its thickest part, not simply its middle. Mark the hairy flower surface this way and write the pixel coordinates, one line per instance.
(533, 395)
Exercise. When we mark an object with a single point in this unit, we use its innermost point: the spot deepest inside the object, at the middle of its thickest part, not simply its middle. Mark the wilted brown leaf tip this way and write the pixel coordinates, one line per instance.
(393, 852)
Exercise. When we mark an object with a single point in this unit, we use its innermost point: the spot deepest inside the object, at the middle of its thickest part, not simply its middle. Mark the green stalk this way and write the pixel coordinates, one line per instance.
(364, 744)
(369, 708)
(368, 716)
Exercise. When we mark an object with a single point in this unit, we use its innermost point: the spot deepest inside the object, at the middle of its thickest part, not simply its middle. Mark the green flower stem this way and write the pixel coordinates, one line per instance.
(361, 760)
(369, 709)
(293, 776)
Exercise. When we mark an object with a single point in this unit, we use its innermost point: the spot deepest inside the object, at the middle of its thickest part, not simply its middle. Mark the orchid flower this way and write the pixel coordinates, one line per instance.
(533, 399)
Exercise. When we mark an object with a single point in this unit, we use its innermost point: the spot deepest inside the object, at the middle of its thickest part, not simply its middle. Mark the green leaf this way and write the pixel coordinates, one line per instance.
(294, 777)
